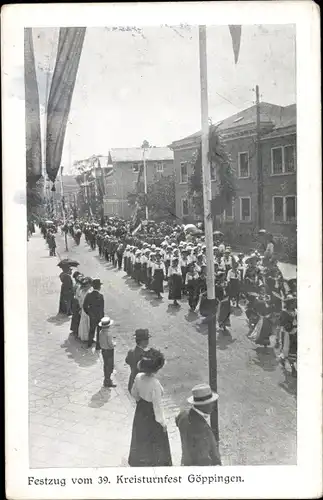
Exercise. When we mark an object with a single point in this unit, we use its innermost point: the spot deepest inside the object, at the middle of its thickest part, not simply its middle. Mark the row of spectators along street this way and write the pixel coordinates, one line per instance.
(171, 260)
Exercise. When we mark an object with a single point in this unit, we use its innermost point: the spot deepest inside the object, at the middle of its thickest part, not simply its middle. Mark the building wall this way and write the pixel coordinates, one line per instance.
(273, 185)
(277, 185)
(124, 181)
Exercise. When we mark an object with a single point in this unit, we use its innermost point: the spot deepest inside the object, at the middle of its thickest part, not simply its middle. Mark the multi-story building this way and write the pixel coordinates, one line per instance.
(120, 171)
(277, 150)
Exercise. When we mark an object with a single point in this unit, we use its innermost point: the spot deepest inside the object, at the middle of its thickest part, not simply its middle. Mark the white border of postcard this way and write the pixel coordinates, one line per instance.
(301, 481)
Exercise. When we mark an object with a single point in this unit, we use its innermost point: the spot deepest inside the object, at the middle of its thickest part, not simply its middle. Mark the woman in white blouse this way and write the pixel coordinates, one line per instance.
(149, 442)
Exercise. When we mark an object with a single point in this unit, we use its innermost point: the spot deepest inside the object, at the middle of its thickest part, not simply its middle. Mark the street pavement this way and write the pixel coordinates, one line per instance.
(73, 422)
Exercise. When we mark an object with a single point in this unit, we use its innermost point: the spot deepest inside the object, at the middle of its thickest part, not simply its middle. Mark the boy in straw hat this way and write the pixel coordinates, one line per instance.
(199, 446)
(107, 345)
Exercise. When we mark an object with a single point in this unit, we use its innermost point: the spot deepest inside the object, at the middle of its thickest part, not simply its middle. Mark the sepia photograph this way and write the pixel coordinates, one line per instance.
(161, 230)
(130, 270)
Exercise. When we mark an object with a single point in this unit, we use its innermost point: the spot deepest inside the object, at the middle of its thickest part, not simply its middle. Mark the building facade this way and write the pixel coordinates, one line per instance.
(120, 172)
(277, 150)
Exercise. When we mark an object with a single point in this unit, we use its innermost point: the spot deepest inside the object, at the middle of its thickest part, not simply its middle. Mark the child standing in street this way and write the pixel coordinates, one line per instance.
(107, 345)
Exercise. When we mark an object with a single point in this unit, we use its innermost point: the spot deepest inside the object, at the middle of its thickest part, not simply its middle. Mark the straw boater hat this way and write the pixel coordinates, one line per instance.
(202, 395)
(106, 322)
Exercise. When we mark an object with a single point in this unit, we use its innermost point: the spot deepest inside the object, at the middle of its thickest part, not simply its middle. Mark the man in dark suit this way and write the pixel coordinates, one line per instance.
(94, 308)
(199, 446)
(135, 355)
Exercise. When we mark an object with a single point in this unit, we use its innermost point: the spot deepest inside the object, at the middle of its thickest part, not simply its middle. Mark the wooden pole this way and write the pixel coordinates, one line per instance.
(259, 164)
(208, 224)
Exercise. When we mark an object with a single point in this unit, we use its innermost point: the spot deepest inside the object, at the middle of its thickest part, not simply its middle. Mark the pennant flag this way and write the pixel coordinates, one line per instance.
(32, 112)
(69, 50)
(235, 31)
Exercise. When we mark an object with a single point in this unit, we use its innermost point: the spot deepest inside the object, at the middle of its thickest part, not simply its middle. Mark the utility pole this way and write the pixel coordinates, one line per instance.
(63, 207)
(260, 197)
(145, 176)
(208, 224)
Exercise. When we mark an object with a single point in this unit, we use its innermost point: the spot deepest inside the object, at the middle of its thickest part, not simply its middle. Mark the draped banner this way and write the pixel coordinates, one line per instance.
(69, 50)
(235, 31)
(32, 112)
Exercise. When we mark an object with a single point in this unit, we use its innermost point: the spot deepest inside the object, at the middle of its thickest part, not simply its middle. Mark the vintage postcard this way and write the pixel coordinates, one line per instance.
(162, 250)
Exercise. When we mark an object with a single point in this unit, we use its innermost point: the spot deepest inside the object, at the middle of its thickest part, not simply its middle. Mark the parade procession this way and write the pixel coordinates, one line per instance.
(162, 281)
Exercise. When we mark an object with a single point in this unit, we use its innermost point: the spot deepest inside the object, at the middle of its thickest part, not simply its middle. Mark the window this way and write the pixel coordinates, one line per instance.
(159, 166)
(243, 163)
(278, 208)
(284, 208)
(184, 207)
(283, 160)
(184, 173)
(229, 211)
(245, 209)
(135, 168)
(289, 159)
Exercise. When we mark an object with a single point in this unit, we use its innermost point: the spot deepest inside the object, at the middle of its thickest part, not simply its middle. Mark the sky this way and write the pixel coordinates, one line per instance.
(136, 86)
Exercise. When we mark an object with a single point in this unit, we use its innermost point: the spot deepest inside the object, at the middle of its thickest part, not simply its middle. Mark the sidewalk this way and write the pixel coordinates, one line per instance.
(73, 421)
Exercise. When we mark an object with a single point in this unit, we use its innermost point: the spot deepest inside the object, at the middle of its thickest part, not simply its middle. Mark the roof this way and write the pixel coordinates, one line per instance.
(270, 115)
(136, 154)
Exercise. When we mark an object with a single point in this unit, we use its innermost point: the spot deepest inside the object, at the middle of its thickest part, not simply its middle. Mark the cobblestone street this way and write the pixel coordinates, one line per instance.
(75, 423)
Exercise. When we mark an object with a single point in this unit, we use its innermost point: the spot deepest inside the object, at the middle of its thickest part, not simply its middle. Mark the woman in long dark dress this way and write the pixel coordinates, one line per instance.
(192, 282)
(158, 275)
(263, 329)
(175, 281)
(149, 441)
(67, 292)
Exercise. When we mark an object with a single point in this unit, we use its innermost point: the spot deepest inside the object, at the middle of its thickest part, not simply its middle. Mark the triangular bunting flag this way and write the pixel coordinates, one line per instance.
(235, 31)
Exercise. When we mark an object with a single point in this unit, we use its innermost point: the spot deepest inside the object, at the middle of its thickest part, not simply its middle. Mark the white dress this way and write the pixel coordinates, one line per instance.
(84, 327)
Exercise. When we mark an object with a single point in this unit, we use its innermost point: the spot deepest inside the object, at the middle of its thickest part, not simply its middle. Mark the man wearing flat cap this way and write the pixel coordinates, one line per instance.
(135, 355)
(94, 308)
(199, 446)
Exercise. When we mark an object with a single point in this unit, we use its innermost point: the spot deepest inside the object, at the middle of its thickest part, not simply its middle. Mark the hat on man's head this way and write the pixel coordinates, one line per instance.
(96, 282)
(202, 395)
(106, 321)
(142, 334)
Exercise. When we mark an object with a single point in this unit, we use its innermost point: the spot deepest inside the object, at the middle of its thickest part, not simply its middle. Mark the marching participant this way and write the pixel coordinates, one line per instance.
(158, 274)
(175, 281)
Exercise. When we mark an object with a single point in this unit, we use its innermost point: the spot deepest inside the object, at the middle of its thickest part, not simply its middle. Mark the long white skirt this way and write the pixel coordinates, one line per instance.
(84, 327)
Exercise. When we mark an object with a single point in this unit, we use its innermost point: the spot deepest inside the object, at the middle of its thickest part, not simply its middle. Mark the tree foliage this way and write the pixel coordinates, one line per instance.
(220, 161)
(160, 198)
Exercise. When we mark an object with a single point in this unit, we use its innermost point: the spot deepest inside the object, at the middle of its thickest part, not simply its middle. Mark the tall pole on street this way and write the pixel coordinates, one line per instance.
(260, 202)
(145, 178)
(63, 206)
(208, 225)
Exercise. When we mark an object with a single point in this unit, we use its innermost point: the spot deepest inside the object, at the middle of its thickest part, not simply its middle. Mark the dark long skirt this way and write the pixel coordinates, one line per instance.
(149, 443)
(193, 296)
(76, 311)
(175, 287)
(233, 288)
(262, 332)
(65, 301)
(158, 281)
(137, 272)
(144, 277)
(224, 313)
